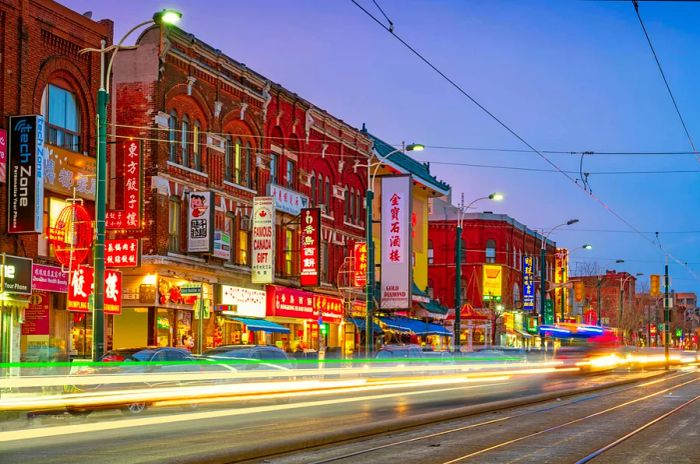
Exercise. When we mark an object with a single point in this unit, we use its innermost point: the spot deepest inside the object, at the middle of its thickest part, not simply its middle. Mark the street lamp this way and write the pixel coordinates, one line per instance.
(623, 281)
(461, 211)
(372, 170)
(543, 265)
(585, 246)
(164, 17)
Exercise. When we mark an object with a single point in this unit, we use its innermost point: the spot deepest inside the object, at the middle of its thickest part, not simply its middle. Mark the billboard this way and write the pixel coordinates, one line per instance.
(310, 247)
(25, 176)
(492, 282)
(395, 290)
(200, 222)
(263, 257)
(528, 284)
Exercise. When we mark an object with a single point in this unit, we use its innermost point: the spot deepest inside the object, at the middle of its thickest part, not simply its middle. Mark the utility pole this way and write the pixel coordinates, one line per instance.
(667, 315)
(600, 303)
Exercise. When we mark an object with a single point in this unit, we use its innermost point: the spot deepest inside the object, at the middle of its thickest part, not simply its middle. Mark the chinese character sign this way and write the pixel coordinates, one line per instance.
(310, 246)
(263, 257)
(79, 289)
(128, 171)
(3, 154)
(113, 292)
(286, 200)
(329, 308)
(528, 284)
(25, 176)
(122, 252)
(396, 246)
(290, 302)
(200, 222)
(360, 272)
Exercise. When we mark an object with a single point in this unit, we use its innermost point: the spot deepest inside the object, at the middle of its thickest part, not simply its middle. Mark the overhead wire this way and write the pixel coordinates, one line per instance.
(505, 126)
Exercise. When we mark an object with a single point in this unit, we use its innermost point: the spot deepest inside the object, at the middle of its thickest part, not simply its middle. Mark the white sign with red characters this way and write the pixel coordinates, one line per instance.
(310, 246)
(263, 257)
(122, 252)
(128, 171)
(81, 287)
(360, 272)
(396, 243)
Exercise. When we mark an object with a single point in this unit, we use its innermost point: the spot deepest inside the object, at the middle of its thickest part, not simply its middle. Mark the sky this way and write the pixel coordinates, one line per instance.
(565, 75)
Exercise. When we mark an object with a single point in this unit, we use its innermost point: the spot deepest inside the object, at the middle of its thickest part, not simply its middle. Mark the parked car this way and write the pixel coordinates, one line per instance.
(251, 353)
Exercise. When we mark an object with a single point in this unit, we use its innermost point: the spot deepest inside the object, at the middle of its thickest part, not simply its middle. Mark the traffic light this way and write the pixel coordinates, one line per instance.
(579, 290)
(654, 284)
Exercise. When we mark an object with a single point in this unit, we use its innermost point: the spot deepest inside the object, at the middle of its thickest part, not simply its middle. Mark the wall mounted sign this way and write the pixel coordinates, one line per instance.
(25, 186)
(528, 284)
(127, 214)
(80, 289)
(289, 302)
(360, 271)
(310, 247)
(66, 170)
(245, 302)
(263, 257)
(200, 222)
(122, 252)
(16, 273)
(113, 292)
(49, 279)
(396, 243)
(331, 308)
(3, 155)
(286, 200)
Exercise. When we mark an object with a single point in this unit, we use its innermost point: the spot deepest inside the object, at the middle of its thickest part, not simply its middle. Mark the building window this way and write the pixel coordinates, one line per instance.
(185, 141)
(247, 156)
(319, 192)
(274, 166)
(431, 252)
(174, 208)
(172, 136)
(312, 182)
(490, 251)
(346, 213)
(328, 195)
(289, 252)
(62, 118)
(237, 161)
(196, 147)
(358, 208)
(228, 160)
(290, 173)
(243, 244)
(324, 261)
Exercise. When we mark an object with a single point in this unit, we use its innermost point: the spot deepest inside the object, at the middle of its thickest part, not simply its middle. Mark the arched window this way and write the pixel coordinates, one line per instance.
(312, 182)
(228, 160)
(346, 213)
(196, 148)
(62, 117)
(328, 195)
(490, 251)
(247, 157)
(172, 136)
(185, 141)
(237, 161)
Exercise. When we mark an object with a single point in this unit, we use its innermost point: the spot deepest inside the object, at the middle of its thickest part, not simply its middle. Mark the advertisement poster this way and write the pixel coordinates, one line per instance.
(222, 244)
(36, 316)
(310, 247)
(360, 273)
(200, 222)
(263, 257)
(396, 243)
(127, 214)
(25, 179)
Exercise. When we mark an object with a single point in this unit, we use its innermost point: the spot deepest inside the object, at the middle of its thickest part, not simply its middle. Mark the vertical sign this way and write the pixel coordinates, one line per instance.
(310, 246)
(3, 155)
(80, 288)
(548, 315)
(528, 284)
(263, 258)
(25, 186)
(128, 172)
(113, 292)
(359, 278)
(200, 222)
(396, 246)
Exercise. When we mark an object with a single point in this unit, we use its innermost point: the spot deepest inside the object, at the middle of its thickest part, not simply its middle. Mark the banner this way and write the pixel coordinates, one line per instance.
(396, 243)
(310, 247)
(128, 177)
(16, 275)
(25, 185)
(263, 257)
(359, 276)
(80, 288)
(200, 222)
(113, 292)
(528, 284)
(492, 282)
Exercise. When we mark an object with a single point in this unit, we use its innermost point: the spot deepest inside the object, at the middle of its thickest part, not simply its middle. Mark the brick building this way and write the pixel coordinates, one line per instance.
(494, 248)
(211, 126)
(43, 74)
(612, 289)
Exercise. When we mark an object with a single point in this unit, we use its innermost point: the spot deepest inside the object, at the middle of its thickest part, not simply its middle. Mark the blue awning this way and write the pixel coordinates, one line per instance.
(414, 326)
(261, 324)
(360, 324)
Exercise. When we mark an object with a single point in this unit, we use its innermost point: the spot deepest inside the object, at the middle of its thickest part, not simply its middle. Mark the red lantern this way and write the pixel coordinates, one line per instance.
(72, 235)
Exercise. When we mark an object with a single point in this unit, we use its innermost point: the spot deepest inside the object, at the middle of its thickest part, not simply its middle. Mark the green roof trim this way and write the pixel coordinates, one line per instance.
(404, 162)
(434, 307)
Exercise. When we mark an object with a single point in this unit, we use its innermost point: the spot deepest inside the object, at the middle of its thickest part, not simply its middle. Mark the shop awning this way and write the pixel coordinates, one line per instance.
(434, 307)
(418, 295)
(414, 326)
(523, 334)
(360, 324)
(261, 324)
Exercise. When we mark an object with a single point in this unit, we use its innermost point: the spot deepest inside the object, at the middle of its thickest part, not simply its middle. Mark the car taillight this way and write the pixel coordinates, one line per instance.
(113, 358)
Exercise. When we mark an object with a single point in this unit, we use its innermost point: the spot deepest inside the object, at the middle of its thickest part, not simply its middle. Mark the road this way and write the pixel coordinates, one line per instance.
(219, 433)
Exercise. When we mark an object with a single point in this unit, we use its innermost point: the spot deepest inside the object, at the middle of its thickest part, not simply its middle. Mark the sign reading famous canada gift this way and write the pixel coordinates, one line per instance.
(128, 215)
(310, 246)
(25, 176)
(263, 257)
(396, 245)
(200, 222)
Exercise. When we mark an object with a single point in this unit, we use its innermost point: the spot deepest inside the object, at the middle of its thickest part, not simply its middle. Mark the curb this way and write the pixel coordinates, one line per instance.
(287, 445)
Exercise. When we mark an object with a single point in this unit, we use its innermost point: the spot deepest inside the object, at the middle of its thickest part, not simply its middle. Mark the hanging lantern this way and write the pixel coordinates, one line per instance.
(72, 235)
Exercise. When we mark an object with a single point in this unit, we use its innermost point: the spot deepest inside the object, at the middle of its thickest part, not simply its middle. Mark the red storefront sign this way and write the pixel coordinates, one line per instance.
(128, 216)
(3, 154)
(49, 278)
(36, 316)
(310, 246)
(331, 308)
(360, 273)
(122, 252)
(80, 288)
(289, 302)
(113, 292)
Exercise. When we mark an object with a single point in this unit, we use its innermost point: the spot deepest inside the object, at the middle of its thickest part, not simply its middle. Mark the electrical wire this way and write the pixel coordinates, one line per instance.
(519, 137)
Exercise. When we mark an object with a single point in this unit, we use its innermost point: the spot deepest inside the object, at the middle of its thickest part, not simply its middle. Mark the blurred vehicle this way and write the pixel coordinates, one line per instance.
(586, 347)
(400, 352)
(251, 353)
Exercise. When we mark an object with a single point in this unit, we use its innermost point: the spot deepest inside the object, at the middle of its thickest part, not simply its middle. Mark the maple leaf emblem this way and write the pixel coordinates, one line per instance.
(262, 213)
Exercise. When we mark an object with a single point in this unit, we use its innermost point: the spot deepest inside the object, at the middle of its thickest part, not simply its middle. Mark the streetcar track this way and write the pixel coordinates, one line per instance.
(502, 419)
(565, 424)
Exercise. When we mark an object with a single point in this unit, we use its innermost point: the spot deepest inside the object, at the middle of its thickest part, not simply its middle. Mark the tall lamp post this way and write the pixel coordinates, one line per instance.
(372, 170)
(543, 265)
(164, 17)
(461, 212)
(623, 281)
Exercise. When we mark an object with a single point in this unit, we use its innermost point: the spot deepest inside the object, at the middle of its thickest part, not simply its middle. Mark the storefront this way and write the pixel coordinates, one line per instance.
(399, 329)
(16, 276)
(333, 324)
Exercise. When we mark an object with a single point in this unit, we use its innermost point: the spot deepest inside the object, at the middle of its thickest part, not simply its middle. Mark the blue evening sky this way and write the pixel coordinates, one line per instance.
(565, 75)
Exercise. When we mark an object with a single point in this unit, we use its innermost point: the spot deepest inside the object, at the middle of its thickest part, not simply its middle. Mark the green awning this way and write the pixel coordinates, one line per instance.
(434, 307)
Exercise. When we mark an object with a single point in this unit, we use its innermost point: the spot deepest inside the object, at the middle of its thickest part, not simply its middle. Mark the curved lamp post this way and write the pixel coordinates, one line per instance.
(164, 17)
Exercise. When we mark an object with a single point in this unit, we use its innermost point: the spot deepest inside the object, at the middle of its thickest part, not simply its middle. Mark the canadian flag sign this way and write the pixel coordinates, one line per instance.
(81, 287)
